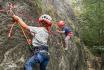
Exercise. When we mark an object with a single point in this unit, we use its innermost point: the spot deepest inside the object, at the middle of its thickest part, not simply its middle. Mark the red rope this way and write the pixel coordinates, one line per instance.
(10, 31)
(11, 6)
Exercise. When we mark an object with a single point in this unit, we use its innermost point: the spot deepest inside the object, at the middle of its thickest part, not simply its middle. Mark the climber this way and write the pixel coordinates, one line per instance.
(65, 30)
(39, 41)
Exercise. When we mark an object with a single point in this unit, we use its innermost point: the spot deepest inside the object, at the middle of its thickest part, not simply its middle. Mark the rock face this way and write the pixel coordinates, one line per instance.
(14, 51)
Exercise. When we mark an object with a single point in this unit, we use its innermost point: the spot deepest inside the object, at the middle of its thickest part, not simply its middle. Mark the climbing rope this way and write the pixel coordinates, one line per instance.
(10, 12)
(10, 31)
(25, 36)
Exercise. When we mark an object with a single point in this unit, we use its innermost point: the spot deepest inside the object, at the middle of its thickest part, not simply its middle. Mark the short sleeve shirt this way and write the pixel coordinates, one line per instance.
(67, 30)
(40, 36)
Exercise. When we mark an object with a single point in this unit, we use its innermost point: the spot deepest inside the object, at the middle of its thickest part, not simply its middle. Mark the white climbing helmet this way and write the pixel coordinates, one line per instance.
(45, 17)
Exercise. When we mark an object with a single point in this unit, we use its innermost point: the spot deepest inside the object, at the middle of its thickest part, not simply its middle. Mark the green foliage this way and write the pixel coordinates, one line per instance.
(92, 23)
(99, 49)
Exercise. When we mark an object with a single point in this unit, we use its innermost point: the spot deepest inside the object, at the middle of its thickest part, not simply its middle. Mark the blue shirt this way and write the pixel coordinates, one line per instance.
(66, 30)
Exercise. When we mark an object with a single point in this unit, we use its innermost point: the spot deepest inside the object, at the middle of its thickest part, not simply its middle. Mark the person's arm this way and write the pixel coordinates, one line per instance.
(20, 21)
(60, 31)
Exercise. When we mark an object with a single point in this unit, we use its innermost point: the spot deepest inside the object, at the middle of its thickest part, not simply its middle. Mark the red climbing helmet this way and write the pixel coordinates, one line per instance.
(61, 23)
(46, 18)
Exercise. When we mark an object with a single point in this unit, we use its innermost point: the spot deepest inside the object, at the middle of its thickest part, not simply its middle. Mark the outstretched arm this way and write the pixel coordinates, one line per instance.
(60, 31)
(20, 21)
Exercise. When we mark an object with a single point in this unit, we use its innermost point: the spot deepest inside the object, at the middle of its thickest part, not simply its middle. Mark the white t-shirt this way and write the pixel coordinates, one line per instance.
(40, 36)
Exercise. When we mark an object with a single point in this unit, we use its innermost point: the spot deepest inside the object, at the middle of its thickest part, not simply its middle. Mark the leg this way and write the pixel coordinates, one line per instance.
(31, 61)
(66, 42)
(44, 63)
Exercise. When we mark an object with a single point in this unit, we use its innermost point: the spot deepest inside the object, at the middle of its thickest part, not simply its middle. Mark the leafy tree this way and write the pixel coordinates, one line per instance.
(92, 24)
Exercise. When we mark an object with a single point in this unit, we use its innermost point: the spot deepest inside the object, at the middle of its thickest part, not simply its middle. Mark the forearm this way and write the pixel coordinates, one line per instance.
(20, 21)
(23, 24)
(61, 32)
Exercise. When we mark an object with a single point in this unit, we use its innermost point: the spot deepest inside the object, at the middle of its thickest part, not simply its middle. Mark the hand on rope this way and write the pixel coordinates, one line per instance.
(16, 20)
(9, 11)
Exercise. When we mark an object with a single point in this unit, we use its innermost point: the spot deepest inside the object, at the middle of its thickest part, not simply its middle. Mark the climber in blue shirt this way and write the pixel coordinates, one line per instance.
(65, 30)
